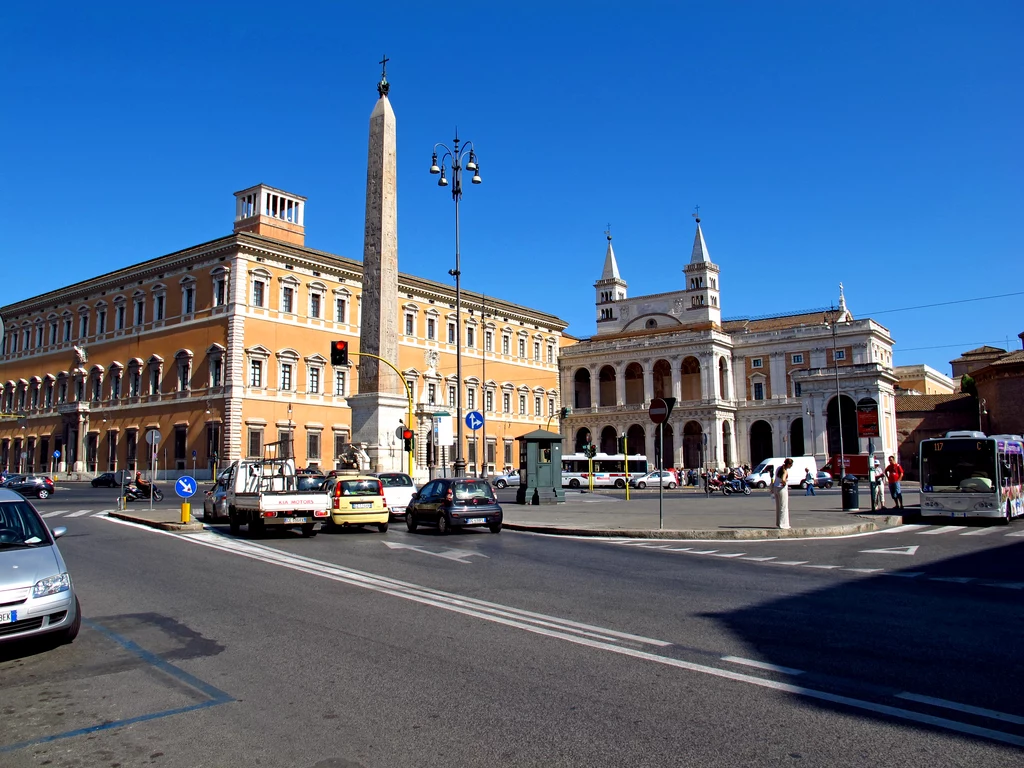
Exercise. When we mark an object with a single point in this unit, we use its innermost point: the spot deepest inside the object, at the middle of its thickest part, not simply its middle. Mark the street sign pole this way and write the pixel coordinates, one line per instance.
(661, 479)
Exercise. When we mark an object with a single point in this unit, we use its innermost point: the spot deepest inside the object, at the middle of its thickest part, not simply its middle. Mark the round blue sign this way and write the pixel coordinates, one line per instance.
(474, 420)
(186, 487)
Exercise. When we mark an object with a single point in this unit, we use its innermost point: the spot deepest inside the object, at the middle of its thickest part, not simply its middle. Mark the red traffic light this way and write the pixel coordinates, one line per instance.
(407, 434)
(339, 352)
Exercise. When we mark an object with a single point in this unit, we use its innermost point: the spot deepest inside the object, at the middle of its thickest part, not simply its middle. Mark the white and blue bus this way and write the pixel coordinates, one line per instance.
(971, 474)
(609, 469)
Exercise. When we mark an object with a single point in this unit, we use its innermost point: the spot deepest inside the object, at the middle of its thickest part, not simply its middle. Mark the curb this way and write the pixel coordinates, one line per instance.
(868, 526)
(163, 526)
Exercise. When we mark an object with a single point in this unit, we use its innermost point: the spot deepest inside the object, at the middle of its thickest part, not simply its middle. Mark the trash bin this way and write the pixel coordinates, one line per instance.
(851, 494)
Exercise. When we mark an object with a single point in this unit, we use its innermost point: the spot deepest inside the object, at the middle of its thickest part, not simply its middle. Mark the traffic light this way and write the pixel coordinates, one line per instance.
(339, 353)
(590, 450)
(566, 410)
(620, 444)
(409, 439)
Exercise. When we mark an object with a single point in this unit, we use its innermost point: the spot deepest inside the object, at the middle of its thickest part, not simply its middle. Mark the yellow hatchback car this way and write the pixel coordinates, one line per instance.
(357, 500)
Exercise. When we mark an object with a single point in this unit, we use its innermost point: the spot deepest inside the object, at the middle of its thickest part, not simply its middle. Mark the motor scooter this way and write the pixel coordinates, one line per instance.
(735, 485)
(133, 492)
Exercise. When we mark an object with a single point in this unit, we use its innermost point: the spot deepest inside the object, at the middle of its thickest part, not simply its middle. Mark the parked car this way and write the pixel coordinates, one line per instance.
(506, 480)
(31, 485)
(357, 500)
(398, 491)
(656, 478)
(451, 503)
(309, 481)
(37, 593)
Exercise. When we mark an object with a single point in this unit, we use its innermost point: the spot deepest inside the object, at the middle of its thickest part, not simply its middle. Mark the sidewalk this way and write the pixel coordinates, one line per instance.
(685, 516)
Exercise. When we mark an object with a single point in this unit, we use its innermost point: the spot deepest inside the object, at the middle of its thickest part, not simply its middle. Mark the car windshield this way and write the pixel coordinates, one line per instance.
(396, 481)
(309, 482)
(473, 489)
(360, 488)
(958, 466)
(20, 526)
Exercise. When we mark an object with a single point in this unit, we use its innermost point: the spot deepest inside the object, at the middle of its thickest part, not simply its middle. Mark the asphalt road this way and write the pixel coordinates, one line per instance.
(363, 649)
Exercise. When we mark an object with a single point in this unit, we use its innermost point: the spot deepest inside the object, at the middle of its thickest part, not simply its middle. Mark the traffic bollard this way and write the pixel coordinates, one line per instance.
(186, 511)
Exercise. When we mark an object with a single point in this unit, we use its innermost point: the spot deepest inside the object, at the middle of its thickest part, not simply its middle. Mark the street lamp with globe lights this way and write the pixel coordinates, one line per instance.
(455, 156)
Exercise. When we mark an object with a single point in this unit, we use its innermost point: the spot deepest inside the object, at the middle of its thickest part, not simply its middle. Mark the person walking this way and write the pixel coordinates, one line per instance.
(877, 484)
(894, 473)
(780, 488)
(809, 484)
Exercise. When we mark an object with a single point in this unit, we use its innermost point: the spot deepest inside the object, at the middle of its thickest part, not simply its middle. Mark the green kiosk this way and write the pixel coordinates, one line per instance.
(540, 468)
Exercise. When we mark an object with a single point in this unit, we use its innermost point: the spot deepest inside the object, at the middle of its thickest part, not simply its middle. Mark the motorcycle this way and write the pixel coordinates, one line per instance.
(712, 484)
(133, 492)
(735, 485)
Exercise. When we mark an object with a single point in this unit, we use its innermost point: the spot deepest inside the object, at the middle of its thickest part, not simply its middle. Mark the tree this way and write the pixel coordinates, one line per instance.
(968, 387)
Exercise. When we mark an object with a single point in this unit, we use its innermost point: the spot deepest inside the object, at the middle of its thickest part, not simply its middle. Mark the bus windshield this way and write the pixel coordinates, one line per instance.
(958, 466)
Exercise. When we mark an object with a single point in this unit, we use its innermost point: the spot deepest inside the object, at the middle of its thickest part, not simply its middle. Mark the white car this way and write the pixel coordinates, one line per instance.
(506, 480)
(655, 479)
(398, 491)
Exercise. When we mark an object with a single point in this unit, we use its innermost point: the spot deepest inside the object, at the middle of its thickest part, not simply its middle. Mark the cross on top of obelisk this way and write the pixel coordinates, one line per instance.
(383, 86)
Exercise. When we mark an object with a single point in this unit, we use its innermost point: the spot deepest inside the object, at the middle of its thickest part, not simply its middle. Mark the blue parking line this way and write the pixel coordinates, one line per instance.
(217, 696)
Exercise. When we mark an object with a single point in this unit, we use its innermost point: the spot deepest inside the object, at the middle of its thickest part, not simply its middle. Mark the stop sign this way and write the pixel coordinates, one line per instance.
(658, 410)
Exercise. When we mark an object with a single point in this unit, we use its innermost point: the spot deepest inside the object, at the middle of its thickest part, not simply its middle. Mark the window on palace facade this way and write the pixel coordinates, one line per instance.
(537, 406)
(220, 290)
(506, 402)
(536, 351)
(39, 332)
(522, 405)
(134, 379)
(840, 354)
(551, 353)
(184, 363)
(339, 383)
(432, 394)
(798, 359)
(115, 383)
(758, 390)
(288, 299)
(255, 442)
(756, 362)
(216, 371)
(796, 389)
(159, 304)
(488, 341)
(313, 446)
(340, 309)
(410, 324)
(140, 311)
(256, 373)
(551, 406)
(286, 377)
(188, 297)
(314, 379)
(259, 288)
(154, 380)
(451, 333)
(431, 328)
(83, 325)
(120, 317)
(470, 398)
(508, 454)
(470, 337)
(101, 321)
(489, 401)
(317, 294)
(506, 344)
(451, 397)
(67, 329)
(53, 330)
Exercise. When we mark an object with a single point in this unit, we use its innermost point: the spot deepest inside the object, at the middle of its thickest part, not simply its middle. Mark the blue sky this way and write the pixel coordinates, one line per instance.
(877, 144)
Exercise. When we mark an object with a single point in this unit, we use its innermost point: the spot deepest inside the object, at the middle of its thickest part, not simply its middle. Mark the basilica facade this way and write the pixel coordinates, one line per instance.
(816, 383)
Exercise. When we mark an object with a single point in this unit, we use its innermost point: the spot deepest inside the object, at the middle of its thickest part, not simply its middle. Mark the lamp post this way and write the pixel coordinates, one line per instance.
(455, 156)
(832, 320)
(982, 411)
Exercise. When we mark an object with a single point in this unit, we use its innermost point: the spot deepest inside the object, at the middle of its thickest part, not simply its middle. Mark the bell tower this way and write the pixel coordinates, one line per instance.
(702, 288)
(609, 289)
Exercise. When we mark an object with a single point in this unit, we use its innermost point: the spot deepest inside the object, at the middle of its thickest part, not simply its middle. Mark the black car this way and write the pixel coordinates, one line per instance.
(109, 480)
(451, 503)
(30, 485)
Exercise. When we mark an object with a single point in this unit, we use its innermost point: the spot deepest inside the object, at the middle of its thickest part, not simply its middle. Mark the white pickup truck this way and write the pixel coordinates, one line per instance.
(262, 492)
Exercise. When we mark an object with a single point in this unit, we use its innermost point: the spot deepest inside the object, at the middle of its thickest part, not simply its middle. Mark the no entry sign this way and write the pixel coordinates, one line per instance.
(659, 410)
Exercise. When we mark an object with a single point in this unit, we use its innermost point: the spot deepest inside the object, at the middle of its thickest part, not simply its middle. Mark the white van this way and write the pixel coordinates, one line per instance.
(763, 474)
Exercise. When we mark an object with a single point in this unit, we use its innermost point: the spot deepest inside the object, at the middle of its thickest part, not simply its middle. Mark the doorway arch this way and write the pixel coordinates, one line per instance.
(760, 441)
(849, 428)
(796, 437)
(634, 377)
(689, 379)
(606, 386)
(693, 437)
(667, 449)
(581, 389)
(727, 443)
(662, 379)
(609, 438)
(582, 439)
(636, 439)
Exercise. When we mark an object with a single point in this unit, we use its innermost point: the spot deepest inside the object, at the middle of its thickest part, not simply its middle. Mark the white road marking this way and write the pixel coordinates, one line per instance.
(540, 624)
(762, 665)
(980, 531)
(759, 559)
(791, 562)
(704, 551)
(904, 528)
(1006, 585)
(80, 513)
(681, 549)
(864, 570)
(961, 707)
(954, 579)
(458, 555)
(824, 566)
(905, 574)
(730, 554)
(54, 514)
(1017, 534)
(892, 550)
(943, 529)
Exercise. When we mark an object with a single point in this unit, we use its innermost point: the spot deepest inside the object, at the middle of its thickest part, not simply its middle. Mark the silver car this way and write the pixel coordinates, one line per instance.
(36, 593)
(506, 480)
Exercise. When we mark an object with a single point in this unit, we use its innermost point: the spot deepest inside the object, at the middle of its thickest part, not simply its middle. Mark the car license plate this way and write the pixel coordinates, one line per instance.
(475, 520)
(8, 617)
(362, 505)
(297, 520)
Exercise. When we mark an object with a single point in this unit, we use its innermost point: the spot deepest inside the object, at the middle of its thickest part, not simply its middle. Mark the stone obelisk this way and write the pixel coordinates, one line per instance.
(381, 405)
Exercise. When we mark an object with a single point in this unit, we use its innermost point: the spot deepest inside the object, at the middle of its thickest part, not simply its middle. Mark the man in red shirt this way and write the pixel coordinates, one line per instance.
(894, 473)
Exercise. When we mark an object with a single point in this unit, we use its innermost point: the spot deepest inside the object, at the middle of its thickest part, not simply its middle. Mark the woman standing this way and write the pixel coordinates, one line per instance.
(781, 490)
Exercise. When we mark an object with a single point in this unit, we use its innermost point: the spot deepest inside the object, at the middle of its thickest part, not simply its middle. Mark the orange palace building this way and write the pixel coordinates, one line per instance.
(224, 347)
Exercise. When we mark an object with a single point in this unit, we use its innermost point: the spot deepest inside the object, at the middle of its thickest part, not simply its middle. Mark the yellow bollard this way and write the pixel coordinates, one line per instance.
(186, 512)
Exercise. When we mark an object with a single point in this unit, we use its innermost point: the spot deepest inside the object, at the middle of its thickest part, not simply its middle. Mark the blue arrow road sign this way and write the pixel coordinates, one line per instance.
(474, 420)
(56, 454)
(185, 487)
